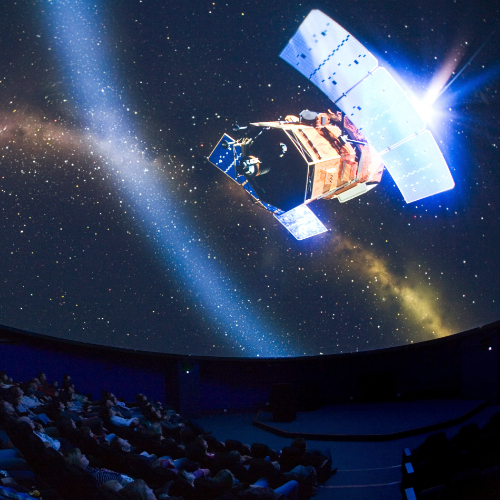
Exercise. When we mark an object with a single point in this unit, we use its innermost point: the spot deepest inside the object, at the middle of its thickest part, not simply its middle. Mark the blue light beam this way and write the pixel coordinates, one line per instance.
(81, 44)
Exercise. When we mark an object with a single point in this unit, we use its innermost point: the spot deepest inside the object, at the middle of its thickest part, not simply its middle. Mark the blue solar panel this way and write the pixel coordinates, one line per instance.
(418, 168)
(301, 222)
(381, 110)
(225, 160)
(328, 55)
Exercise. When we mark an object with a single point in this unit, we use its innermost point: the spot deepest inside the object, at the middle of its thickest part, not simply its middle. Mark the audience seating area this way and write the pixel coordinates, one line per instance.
(467, 466)
(59, 444)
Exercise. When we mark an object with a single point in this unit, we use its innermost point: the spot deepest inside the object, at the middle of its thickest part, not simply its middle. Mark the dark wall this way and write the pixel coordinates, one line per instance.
(479, 363)
(430, 370)
(462, 365)
(91, 370)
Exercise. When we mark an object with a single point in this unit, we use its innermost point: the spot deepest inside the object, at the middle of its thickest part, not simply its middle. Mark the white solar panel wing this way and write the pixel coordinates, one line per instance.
(301, 222)
(418, 168)
(340, 66)
(381, 110)
(328, 55)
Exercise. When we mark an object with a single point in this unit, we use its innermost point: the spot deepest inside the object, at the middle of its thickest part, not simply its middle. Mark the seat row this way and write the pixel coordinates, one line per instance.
(456, 468)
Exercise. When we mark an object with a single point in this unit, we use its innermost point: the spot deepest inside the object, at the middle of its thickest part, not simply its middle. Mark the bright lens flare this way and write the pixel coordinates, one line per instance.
(425, 108)
(441, 80)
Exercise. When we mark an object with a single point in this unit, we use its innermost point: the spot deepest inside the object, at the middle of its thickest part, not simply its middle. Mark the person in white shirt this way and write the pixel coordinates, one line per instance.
(120, 421)
(40, 432)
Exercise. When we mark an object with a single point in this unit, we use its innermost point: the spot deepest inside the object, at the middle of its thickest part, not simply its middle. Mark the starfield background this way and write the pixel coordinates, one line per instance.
(116, 231)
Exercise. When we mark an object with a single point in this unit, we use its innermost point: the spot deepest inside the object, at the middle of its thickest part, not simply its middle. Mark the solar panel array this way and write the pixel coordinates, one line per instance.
(341, 67)
(328, 55)
(381, 110)
(418, 168)
(225, 158)
(301, 222)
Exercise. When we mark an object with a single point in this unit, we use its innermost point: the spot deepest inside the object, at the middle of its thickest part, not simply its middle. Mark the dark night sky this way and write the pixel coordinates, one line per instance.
(116, 231)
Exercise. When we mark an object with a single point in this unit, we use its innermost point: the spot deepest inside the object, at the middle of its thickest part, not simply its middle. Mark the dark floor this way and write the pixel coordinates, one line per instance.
(367, 470)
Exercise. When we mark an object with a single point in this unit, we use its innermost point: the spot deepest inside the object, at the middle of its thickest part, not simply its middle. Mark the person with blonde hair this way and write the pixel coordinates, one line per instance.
(101, 476)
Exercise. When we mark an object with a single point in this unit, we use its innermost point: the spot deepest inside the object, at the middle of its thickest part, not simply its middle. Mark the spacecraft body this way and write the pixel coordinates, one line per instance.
(284, 165)
(336, 162)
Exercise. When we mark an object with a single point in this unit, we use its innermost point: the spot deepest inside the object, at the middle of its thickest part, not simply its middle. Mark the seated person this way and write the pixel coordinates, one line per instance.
(100, 476)
(197, 451)
(39, 431)
(32, 390)
(17, 393)
(87, 441)
(21, 408)
(233, 461)
(4, 378)
(66, 381)
(122, 458)
(289, 490)
(116, 419)
(67, 428)
(57, 409)
(210, 488)
(7, 409)
(137, 490)
(167, 421)
(153, 441)
(120, 411)
(25, 404)
(321, 461)
(21, 432)
(120, 406)
(80, 398)
(44, 386)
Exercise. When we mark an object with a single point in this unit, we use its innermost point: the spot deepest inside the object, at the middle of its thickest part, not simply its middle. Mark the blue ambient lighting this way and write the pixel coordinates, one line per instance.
(75, 25)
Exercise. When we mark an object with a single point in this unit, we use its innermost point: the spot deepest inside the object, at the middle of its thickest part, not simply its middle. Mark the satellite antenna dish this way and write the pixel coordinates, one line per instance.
(340, 155)
(308, 115)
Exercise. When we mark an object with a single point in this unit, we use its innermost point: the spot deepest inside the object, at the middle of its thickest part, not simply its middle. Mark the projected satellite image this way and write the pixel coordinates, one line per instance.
(117, 231)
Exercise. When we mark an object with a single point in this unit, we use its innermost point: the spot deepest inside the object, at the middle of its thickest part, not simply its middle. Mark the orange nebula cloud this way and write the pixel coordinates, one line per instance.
(415, 302)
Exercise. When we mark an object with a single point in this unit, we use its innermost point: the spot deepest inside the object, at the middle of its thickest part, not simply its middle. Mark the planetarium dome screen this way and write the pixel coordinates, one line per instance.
(117, 230)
